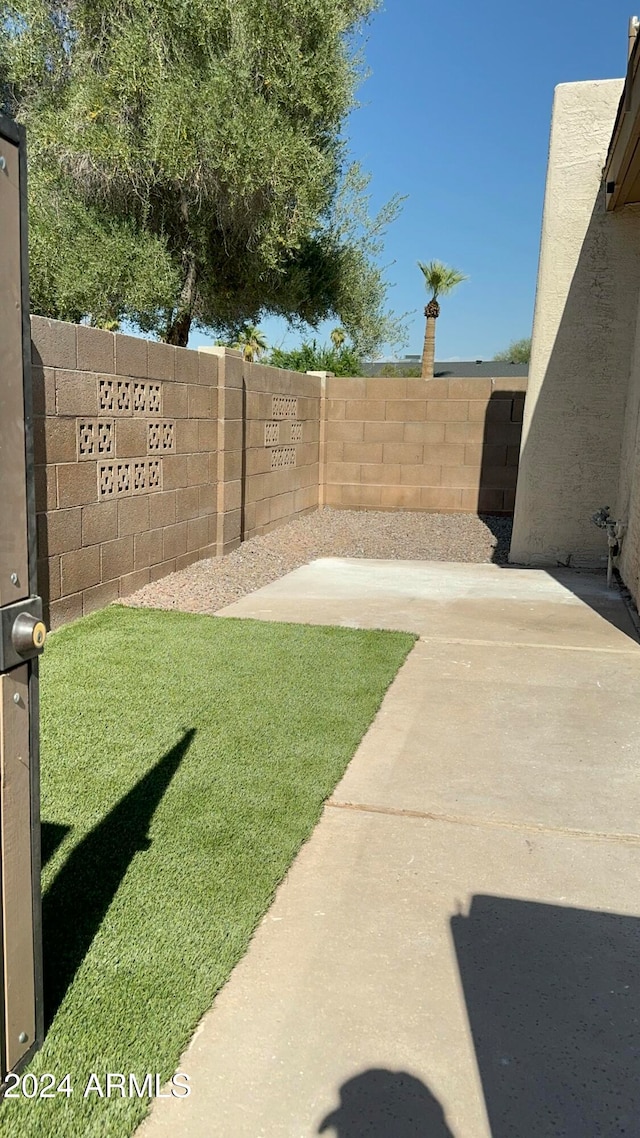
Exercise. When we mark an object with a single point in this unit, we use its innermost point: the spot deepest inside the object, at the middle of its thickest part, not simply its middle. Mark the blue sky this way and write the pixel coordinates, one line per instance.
(456, 115)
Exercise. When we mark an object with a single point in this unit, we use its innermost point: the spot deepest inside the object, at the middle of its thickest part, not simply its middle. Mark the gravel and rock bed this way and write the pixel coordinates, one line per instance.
(210, 585)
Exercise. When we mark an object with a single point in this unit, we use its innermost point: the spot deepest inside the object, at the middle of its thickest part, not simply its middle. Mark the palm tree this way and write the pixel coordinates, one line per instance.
(251, 342)
(338, 337)
(439, 280)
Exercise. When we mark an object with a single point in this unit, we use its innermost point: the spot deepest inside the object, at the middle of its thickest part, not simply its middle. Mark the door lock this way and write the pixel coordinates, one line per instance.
(22, 632)
(28, 634)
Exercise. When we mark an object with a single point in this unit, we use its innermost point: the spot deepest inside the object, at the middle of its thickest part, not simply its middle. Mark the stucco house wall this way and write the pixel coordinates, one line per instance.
(581, 410)
(628, 496)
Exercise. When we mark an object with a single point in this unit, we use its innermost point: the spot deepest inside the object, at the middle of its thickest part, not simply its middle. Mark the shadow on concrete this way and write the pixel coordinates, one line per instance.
(77, 901)
(502, 434)
(553, 1000)
(386, 1104)
(499, 468)
(590, 587)
(52, 835)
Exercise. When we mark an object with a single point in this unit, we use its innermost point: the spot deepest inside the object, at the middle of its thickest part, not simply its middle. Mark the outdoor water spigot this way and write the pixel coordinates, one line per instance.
(615, 533)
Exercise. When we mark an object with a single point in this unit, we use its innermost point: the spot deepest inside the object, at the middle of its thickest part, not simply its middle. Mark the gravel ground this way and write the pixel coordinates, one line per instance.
(210, 585)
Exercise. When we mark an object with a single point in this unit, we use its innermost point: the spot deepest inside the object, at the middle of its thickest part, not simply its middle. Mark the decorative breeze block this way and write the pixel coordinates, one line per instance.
(271, 434)
(106, 395)
(86, 440)
(161, 437)
(153, 398)
(123, 396)
(129, 397)
(154, 474)
(139, 484)
(283, 456)
(296, 432)
(106, 480)
(95, 438)
(139, 397)
(105, 438)
(122, 479)
(284, 407)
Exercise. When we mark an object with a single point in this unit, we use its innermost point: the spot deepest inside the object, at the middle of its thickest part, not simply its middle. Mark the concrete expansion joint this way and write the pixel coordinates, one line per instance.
(478, 822)
(630, 651)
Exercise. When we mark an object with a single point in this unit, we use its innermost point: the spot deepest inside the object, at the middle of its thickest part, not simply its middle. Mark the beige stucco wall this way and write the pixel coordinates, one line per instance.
(628, 499)
(583, 341)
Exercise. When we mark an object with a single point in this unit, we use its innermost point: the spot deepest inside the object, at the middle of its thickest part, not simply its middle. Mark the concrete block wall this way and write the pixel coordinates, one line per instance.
(282, 432)
(268, 462)
(230, 450)
(447, 445)
(125, 447)
(150, 457)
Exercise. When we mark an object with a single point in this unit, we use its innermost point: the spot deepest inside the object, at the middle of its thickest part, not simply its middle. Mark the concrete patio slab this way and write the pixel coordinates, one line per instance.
(528, 736)
(454, 953)
(448, 600)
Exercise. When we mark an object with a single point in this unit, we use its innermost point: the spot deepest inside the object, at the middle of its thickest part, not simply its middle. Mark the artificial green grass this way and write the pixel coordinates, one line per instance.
(184, 761)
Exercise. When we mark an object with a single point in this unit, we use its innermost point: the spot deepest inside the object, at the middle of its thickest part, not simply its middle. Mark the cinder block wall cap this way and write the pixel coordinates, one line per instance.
(215, 350)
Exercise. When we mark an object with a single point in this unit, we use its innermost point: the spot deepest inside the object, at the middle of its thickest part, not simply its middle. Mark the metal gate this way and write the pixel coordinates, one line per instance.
(22, 633)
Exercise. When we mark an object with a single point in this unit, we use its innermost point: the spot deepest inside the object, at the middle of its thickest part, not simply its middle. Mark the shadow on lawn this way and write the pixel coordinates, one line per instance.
(378, 1103)
(75, 905)
(52, 835)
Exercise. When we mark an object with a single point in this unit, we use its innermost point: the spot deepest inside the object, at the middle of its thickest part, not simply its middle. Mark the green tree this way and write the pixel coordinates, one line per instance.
(312, 357)
(400, 371)
(518, 352)
(83, 263)
(251, 342)
(439, 280)
(186, 163)
(338, 337)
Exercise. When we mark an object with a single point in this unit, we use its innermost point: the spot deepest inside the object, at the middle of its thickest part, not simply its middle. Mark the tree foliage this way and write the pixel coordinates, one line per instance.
(518, 352)
(400, 371)
(186, 163)
(311, 356)
(439, 278)
(83, 263)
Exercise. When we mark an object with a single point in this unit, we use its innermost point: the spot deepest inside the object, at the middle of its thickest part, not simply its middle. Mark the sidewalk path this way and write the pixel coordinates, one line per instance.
(456, 951)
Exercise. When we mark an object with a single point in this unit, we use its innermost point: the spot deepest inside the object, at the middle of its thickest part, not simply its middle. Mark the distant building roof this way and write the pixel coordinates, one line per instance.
(465, 369)
(491, 368)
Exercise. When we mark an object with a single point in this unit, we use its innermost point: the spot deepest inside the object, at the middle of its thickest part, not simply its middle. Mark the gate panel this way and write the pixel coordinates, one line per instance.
(22, 635)
(15, 844)
(14, 575)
